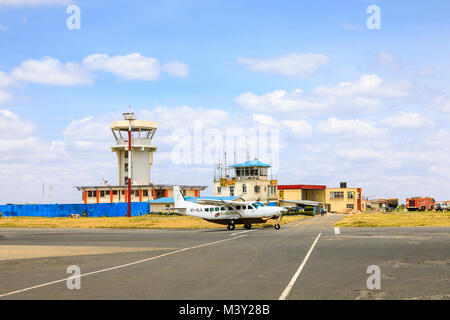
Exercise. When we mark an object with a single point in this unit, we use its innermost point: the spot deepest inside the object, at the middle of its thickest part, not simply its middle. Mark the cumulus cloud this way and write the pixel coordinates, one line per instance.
(280, 100)
(5, 82)
(14, 127)
(298, 65)
(176, 69)
(440, 102)
(369, 86)
(265, 120)
(367, 94)
(51, 71)
(299, 128)
(133, 66)
(407, 120)
(352, 127)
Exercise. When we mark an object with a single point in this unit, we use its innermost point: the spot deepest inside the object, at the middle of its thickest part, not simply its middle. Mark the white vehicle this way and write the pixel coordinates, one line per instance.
(227, 212)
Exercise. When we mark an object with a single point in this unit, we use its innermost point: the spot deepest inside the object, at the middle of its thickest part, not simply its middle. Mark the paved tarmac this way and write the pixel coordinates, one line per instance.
(302, 260)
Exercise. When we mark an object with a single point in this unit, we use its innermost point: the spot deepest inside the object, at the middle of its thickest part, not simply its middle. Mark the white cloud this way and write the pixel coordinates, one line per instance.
(280, 101)
(33, 3)
(5, 81)
(440, 102)
(2, 27)
(355, 154)
(299, 65)
(265, 120)
(51, 71)
(388, 60)
(176, 69)
(353, 127)
(299, 128)
(90, 133)
(367, 94)
(14, 127)
(369, 86)
(407, 120)
(132, 66)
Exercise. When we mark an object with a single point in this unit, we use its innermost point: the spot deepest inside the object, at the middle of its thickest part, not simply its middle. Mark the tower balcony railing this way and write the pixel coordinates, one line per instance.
(135, 142)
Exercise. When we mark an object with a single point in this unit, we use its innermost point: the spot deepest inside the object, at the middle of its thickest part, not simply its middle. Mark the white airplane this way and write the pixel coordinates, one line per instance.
(227, 212)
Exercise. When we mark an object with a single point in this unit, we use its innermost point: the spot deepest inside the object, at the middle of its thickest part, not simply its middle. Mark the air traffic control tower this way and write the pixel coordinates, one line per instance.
(141, 154)
(139, 159)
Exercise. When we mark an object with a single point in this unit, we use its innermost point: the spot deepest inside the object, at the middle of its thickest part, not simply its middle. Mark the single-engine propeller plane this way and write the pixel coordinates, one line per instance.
(227, 212)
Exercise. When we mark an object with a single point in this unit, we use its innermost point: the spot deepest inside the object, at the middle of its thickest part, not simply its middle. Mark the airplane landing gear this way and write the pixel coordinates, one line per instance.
(247, 226)
(231, 226)
(277, 226)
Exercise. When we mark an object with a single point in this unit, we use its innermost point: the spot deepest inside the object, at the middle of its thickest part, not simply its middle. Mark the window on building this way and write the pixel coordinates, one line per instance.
(102, 193)
(107, 192)
(90, 194)
(145, 193)
(244, 188)
(115, 192)
(351, 195)
(337, 195)
(219, 189)
(257, 189)
(136, 193)
(350, 206)
(232, 191)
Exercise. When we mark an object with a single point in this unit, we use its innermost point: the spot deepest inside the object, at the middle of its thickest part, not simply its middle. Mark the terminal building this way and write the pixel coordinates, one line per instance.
(140, 160)
(249, 181)
(339, 200)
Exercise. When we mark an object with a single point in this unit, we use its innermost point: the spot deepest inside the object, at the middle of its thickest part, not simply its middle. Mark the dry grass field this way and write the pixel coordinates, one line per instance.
(144, 222)
(397, 219)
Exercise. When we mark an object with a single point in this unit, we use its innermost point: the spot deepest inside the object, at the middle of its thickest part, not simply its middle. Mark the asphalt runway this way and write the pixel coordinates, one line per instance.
(302, 260)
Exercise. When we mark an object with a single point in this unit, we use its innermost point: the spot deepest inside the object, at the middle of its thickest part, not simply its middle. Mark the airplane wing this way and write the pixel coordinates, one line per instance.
(230, 203)
(304, 202)
(215, 202)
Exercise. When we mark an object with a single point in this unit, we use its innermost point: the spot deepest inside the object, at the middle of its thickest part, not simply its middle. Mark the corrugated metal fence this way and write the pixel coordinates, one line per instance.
(65, 210)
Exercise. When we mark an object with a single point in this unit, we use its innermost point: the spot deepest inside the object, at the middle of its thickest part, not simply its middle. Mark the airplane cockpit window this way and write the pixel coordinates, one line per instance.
(250, 207)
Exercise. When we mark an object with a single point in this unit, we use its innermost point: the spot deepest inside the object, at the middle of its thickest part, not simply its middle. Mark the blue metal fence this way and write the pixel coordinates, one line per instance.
(65, 210)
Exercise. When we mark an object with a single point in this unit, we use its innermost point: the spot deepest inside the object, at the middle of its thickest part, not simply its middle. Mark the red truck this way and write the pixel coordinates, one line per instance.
(420, 204)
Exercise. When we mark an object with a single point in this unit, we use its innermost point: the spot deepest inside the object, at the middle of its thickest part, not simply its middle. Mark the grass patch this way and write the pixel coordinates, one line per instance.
(410, 219)
(144, 222)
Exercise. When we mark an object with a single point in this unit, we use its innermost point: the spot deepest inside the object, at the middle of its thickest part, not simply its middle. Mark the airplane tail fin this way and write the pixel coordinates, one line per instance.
(179, 200)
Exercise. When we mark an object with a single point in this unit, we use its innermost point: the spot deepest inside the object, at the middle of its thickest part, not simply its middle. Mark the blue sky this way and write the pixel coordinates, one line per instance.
(232, 57)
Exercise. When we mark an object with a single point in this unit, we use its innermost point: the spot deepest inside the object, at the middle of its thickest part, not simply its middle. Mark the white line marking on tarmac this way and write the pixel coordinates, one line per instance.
(299, 270)
(240, 232)
(337, 230)
(118, 267)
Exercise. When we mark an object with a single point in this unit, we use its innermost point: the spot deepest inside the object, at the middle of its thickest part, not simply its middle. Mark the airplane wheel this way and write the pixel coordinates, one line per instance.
(277, 227)
(247, 226)
(230, 227)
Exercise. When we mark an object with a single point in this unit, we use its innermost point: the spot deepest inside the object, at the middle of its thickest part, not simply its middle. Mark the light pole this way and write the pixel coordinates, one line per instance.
(130, 117)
